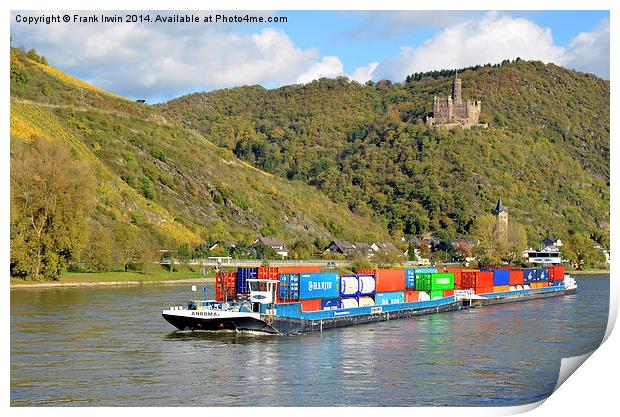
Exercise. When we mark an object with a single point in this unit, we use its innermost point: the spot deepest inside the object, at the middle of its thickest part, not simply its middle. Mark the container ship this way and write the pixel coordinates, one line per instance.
(291, 300)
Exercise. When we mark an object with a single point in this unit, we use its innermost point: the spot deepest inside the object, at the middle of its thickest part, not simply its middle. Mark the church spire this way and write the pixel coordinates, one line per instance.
(499, 208)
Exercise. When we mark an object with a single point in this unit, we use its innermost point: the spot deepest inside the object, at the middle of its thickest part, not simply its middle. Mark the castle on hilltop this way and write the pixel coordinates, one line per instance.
(451, 112)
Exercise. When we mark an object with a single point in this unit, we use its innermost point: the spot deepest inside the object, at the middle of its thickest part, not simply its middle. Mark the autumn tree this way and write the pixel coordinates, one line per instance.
(98, 253)
(52, 194)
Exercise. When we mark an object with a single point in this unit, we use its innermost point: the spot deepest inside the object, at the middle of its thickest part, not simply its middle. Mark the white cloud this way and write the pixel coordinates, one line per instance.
(328, 67)
(363, 74)
(152, 61)
(494, 38)
(589, 51)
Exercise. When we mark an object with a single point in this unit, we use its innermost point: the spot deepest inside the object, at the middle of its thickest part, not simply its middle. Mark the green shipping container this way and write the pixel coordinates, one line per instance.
(436, 294)
(435, 282)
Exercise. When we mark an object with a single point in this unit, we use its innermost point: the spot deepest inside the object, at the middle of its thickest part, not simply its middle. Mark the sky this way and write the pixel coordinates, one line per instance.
(161, 61)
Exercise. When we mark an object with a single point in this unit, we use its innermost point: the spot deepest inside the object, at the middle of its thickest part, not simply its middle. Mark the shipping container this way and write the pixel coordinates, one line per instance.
(349, 285)
(367, 284)
(541, 274)
(435, 282)
(501, 288)
(392, 297)
(516, 277)
(457, 276)
(225, 283)
(436, 294)
(543, 284)
(319, 285)
(411, 296)
(243, 274)
(299, 269)
(529, 275)
(387, 280)
(348, 303)
(448, 293)
(556, 283)
(484, 290)
(476, 279)
(501, 277)
(410, 274)
(556, 273)
(366, 301)
(288, 287)
(310, 305)
(268, 273)
(330, 304)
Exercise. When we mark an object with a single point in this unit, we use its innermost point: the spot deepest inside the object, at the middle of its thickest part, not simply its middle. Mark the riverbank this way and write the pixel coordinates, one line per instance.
(589, 272)
(78, 279)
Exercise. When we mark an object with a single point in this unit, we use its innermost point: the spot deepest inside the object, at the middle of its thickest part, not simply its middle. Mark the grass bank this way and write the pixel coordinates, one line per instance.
(589, 272)
(73, 279)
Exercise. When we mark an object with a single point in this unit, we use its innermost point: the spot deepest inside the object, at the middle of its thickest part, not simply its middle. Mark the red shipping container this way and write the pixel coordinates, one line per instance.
(388, 280)
(476, 279)
(484, 290)
(556, 273)
(448, 293)
(269, 273)
(516, 277)
(411, 296)
(310, 305)
(229, 283)
(299, 269)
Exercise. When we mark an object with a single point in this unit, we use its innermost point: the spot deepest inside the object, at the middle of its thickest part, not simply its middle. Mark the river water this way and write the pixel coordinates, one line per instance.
(110, 347)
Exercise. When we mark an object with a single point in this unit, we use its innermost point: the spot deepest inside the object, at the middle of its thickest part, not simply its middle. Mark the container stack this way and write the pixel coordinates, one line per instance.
(316, 287)
(243, 274)
(501, 280)
(480, 281)
(225, 284)
(389, 285)
(437, 285)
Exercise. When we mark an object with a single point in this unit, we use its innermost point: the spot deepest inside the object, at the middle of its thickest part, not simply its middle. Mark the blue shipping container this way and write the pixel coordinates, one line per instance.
(243, 274)
(501, 277)
(529, 275)
(319, 285)
(294, 287)
(556, 283)
(542, 274)
(330, 304)
(383, 298)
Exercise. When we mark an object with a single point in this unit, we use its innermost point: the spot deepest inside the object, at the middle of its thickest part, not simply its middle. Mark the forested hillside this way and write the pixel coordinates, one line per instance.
(157, 179)
(546, 151)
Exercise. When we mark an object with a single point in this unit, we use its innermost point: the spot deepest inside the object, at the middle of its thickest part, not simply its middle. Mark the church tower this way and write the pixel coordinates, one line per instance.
(501, 218)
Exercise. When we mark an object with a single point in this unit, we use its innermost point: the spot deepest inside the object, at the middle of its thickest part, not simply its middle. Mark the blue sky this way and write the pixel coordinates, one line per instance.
(159, 62)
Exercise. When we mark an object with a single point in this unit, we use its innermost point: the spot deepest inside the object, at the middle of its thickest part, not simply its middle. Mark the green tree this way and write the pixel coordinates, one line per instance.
(387, 258)
(516, 242)
(52, 195)
(98, 253)
(125, 244)
(488, 250)
(265, 252)
(582, 247)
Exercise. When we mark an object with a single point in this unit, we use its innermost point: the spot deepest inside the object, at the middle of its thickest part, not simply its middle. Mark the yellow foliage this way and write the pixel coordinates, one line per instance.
(179, 233)
(66, 78)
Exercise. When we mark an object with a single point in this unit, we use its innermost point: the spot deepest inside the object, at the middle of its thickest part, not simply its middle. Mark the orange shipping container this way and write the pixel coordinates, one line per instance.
(457, 277)
(448, 293)
(411, 296)
(388, 280)
(299, 269)
(501, 288)
(484, 290)
(269, 273)
(516, 277)
(311, 305)
(539, 285)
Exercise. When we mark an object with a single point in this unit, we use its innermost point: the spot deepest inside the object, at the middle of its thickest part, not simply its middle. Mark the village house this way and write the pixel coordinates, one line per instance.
(272, 242)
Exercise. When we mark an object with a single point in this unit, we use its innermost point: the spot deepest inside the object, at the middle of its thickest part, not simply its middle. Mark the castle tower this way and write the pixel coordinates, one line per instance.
(501, 218)
(456, 89)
